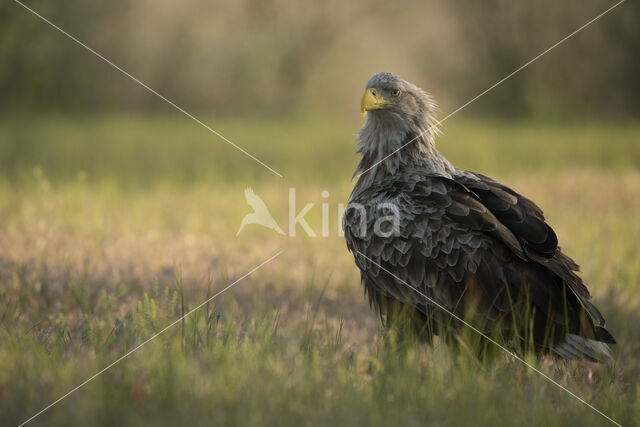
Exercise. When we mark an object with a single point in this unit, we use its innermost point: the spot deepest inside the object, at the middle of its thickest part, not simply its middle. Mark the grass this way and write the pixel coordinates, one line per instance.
(112, 227)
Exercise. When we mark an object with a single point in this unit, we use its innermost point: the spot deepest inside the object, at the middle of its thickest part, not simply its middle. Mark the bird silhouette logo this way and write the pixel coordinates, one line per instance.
(260, 215)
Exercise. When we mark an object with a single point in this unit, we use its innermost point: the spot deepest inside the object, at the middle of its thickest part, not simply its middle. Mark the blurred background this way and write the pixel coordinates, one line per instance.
(294, 72)
(294, 69)
(282, 56)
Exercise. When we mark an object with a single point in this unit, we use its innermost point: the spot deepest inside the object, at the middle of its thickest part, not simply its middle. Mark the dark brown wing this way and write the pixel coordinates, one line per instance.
(519, 214)
(537, 238)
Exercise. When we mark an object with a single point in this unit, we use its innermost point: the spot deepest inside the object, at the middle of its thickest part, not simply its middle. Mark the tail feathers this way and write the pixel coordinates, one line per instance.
(576, 347)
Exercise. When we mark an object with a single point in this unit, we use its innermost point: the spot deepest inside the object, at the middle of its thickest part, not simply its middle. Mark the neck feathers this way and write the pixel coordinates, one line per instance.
(390, 144)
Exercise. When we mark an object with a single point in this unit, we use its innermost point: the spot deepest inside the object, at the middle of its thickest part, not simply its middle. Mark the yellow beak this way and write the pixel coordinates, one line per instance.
(372, 100)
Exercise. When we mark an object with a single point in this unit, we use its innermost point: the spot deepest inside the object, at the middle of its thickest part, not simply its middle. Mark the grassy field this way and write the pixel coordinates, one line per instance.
(112, 227)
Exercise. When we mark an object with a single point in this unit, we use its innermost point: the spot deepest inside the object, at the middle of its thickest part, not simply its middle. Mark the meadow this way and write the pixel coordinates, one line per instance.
(113, 226)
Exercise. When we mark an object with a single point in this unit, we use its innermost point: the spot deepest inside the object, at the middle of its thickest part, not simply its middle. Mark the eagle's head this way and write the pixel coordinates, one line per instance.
(400, 122)
(390, 98)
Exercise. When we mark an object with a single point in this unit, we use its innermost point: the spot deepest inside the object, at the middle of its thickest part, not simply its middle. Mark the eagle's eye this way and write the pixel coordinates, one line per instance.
(395, 92)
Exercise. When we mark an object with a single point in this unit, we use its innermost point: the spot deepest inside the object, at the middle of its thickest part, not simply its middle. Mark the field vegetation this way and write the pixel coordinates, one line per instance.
(112, 227)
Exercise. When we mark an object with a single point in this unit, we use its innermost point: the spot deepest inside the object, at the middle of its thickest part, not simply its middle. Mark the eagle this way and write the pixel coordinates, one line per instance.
(440, 248)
